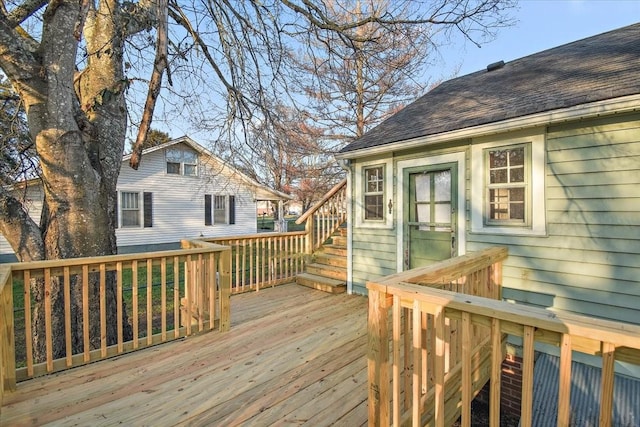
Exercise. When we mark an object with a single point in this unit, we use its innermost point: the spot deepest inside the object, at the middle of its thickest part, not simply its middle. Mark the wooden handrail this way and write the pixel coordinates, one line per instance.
(452, 360)
(339, 186)
(198, 276)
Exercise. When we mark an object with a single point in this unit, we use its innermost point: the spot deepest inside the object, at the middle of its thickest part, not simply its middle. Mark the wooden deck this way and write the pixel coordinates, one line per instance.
(294, 356)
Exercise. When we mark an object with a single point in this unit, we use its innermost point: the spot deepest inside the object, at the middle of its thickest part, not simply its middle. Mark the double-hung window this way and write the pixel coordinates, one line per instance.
(507, 197)
(374, 193)
(181, 161)
(219, 209)
(508, 184)
(131, 214)
(130, 209)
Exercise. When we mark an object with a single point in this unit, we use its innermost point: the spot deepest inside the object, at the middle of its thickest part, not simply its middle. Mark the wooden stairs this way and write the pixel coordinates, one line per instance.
(328, 269)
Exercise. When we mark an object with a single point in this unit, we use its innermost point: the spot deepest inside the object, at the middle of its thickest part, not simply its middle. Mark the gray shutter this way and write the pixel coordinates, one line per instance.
(207, 209)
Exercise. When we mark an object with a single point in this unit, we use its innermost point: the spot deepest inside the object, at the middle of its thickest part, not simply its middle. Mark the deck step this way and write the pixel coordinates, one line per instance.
(337, 250)
(330, 271)
(328, 259)
(321, 283)
(339, 240)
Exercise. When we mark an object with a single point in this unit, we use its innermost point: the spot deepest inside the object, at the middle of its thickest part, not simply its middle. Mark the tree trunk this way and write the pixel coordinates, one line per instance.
(78, 123)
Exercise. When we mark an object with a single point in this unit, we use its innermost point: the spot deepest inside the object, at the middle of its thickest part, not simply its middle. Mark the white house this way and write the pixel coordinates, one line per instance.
(181, 190)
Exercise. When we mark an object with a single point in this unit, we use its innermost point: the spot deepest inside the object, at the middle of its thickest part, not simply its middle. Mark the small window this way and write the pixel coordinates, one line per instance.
(130, 209)
(220, 210)
(181, 162)
(507, 186)
(374, 193)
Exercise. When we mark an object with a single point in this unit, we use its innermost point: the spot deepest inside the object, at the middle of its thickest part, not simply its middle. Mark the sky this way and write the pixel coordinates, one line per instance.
(541, 25)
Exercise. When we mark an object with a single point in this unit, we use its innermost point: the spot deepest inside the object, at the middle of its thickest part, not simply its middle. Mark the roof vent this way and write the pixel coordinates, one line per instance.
(495, 66)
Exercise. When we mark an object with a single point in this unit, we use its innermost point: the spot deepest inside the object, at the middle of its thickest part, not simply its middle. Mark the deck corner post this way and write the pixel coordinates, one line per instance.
(378, 359)
(7, 340)
(224, 288)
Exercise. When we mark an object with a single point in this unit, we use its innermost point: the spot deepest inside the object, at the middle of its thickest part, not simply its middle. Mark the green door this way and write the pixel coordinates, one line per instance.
(430, 212)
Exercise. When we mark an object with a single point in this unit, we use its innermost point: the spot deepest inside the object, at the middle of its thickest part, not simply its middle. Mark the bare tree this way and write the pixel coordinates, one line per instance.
(78, 66)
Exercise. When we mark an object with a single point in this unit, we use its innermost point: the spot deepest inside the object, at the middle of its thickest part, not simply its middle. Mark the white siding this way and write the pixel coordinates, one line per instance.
(32, 201)
(178, 202)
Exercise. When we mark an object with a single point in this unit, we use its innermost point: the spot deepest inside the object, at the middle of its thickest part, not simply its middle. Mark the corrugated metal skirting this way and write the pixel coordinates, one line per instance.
(585, 395)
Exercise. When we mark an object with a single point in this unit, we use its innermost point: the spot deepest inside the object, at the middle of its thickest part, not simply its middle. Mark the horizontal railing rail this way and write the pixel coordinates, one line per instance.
(264, 259)
(454, 388)
(164, 295)
(326, 216)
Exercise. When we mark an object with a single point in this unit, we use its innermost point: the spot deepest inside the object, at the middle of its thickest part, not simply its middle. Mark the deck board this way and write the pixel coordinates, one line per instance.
(294, 356)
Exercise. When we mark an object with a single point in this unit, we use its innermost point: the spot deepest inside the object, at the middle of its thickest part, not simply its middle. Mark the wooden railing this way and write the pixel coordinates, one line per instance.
(458, 367)
(323, 218)
(167, 295)
(264, 259)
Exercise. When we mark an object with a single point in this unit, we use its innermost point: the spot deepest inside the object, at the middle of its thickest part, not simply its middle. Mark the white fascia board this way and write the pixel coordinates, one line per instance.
(623, 104)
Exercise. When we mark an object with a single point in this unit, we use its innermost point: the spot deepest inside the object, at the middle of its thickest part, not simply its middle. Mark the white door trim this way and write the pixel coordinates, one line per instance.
(458, 158)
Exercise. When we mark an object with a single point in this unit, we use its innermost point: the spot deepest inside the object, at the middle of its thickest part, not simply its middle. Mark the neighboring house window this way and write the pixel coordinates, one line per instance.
(219, 209)
(129, 209)
(374, 193)
(507, 200)
(181, 162)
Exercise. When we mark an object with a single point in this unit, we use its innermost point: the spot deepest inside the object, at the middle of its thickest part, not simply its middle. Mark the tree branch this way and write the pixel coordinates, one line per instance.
(23, 11)
(160, 64)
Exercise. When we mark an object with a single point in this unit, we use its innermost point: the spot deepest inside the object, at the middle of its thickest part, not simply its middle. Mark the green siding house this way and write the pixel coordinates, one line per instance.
(540, 154)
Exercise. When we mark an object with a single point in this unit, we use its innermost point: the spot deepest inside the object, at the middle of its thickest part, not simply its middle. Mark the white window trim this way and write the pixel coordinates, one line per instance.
(140, 211)
(537, 224)
(387, 221)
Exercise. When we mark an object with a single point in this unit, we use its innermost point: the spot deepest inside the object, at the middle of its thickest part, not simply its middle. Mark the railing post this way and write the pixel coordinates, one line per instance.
(224, 289)
(309, 229)
(378, 359)
(7, 340)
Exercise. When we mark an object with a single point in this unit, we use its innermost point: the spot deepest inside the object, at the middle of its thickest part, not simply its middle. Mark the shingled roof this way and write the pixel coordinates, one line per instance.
(593, 69)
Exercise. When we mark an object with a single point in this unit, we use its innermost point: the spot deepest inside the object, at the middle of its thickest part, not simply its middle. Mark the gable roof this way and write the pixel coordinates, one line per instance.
(597, 68)
(262, 191)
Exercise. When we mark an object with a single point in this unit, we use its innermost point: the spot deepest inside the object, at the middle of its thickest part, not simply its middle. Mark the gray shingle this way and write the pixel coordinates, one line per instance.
(593, 69)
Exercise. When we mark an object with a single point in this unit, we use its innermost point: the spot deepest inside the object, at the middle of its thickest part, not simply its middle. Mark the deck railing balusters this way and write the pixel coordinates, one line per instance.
(466, 336)
(199, 275)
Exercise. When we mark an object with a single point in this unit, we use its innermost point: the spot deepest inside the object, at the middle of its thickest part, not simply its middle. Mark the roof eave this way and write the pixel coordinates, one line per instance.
(623, 104)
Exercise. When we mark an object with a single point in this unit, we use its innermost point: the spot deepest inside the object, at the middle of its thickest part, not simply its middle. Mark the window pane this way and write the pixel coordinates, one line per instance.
(373, 207)
(130, 218)
(373, 177)
(189, 157)
(423, 213)
(517, 211)
(442, 183)
(498, 158)
(173, 168)
(516, 156)
(174, 155)
(498, 176)
(190, 169)
(443, 213)
(219, 210)
(423, 188)
(516, 195)
(516, 174)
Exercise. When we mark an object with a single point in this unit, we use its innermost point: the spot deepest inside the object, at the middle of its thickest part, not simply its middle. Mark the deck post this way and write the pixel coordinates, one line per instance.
(309, 229)
(224, 288)
(378, 359)
(7, 340)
